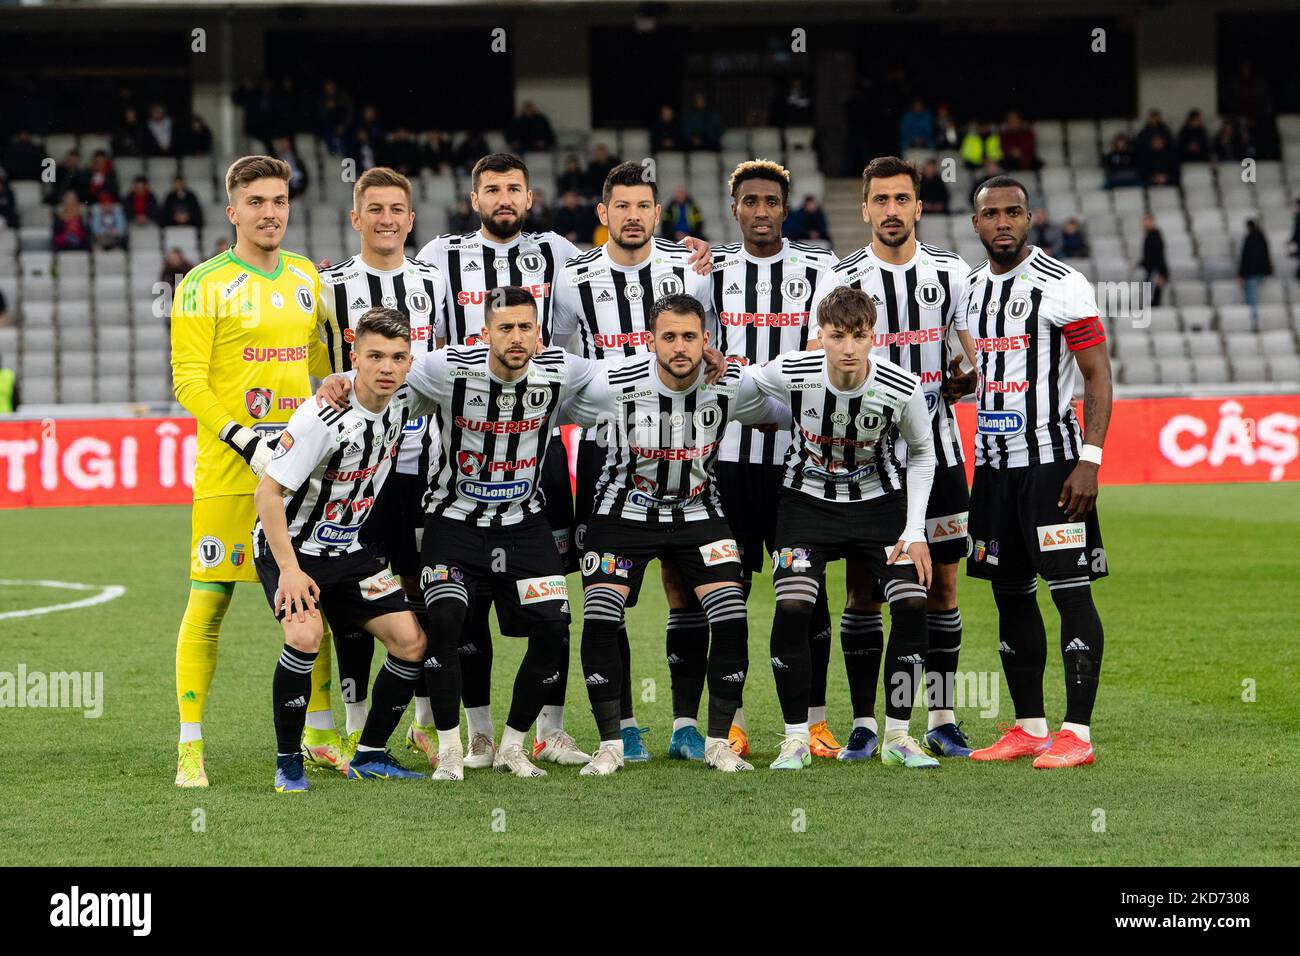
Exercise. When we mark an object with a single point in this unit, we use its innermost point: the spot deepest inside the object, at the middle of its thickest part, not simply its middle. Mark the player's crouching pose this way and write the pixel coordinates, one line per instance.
(843, 499)
(317, 491)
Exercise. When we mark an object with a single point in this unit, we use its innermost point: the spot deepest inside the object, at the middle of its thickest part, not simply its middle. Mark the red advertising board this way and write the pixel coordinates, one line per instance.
(147, 461)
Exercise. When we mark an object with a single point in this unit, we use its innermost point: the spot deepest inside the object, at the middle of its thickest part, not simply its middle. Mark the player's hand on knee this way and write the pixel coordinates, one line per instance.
(1079, 493)
(299, 594)
(701, 255)
(919, 554)
(334, 391)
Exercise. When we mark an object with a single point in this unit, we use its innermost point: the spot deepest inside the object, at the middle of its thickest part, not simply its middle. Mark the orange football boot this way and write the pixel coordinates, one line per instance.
(821, 742)
(1014, 743)
(1068, 750)
(739, 740)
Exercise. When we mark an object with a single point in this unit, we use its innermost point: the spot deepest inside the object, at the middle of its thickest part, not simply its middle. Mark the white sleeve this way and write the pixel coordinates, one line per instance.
(305, 442)
(439, 318)
(565, 309)
(565, 249)
(428, 376)
(580, 371)
(914, 426)
(1071, 299)
(701, 287)
(768, 378)
(589, 405)
(753, 406)
(828, 281)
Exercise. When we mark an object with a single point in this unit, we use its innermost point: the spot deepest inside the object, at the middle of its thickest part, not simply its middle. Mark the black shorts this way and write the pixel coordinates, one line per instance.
(591, 462)
(518, 562)
(751, 495)
(811, 532)
(1019, 531)
(618, 550)
(558, 491)
(354, 586)
(946, 515)
(392, 529)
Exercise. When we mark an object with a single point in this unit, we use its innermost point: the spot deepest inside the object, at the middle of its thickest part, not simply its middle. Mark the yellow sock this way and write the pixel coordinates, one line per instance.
(196, 646)
(322, 674)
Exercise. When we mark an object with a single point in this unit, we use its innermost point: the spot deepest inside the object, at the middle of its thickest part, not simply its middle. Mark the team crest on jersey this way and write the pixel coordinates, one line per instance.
(869, 422)
(1018, 308)
(930, 295)
(258, 401)
(536, 398)
(391, 435)
(210, 551)
(470, 462)
(306, 301)
(795, 287)
(762, 287)
(669, 285)
(633, 292)
(991, 310)
(708, 417)
(642, 483)
(531, 262)
(389, 302)
(505, 402)
(501, 265)
(840, 418)
(237, 556)
(417, 302)
(277, 300)
(931, 401)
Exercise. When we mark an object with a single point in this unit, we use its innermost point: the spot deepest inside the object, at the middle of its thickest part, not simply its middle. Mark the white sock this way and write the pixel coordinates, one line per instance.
(321, 720)
(480, 720)
(423, 711)
(512, 738)
(710, 741)
(191, 731)
(817, 715)
(448, 737)
(614, 745)
(362, 749)
(356, 716)
(1034, 726)
(1079, 730)
(680, 722)
(797, 730)
(868, 722)
(627, 722)
(739, 719)
(895, 726)
(938, 718)
(550, 720)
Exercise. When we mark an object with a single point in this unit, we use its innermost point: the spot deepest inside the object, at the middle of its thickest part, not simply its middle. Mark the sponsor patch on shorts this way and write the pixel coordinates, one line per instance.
(1059, 537)
(549, 588)
(946, 527)
(720, 552)
(377, 585)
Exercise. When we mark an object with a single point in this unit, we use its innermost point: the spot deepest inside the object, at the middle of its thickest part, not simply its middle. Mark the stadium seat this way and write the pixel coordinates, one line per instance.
(1090, 178)
(1190, 293)
(1274, 317)
(1168, 345)
(38, 312)
(1210, 369)
(151, 388)
(798, 139)
(74, 313)
(1164, 199)
(1175, 371)
(112, 388)
(636, 144)
(1277, 343)
(1196, 318)
(1234, 318)
(1248, 368)
(37, 389)
(112, 339)
(1225, 292)
(1203, 343)
(8, 343)
(1132, 344)
(1272, 292)
(1283, 368)
(1139, 371)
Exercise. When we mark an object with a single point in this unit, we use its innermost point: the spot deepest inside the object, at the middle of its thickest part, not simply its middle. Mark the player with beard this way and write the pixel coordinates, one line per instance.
(914, 287)
(500, 253)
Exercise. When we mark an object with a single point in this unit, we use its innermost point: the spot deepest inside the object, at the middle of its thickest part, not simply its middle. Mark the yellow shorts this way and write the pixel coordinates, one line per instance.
(221, 539)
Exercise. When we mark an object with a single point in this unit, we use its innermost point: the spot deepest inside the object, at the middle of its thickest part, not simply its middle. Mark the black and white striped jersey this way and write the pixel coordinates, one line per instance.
(845, 443)
(474, 265)
(1025, 325)
(661, 444)
(416, 289)
(763, 307)
(333, 464)
(494, 433)
(915, 304)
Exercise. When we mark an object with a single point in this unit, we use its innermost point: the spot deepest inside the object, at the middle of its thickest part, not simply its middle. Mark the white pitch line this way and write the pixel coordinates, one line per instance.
(107, 592)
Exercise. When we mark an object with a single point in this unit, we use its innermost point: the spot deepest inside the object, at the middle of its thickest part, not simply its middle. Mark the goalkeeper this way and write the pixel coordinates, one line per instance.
(244, 340)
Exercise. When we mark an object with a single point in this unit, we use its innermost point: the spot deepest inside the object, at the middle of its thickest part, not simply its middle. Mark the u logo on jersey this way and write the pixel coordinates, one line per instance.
(417, 303)
(795, 287)
(530, 262)
(707, 418)
(1018, 308)
(470, 462)
(930, 295)
(869, 422)
(536, 398)
(306, 301)
(668, 285)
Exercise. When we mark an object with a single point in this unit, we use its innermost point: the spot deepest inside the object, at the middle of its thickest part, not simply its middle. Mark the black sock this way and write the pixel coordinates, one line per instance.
(905, 655)
(395, 685)
(290, 689)
(475, 652)
(625, 685)
(1022, 644)
(538, 672)
(1082, 641)
(819, 648)
(941, 658)
(602, 662)
(728, 655)
(687, 643)
(862, 638)
(355, 649)
(557, 690)
(791, 657)
(447, 602)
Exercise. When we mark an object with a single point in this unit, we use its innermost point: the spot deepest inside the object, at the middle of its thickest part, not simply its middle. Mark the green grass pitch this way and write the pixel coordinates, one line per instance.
(1201, 606)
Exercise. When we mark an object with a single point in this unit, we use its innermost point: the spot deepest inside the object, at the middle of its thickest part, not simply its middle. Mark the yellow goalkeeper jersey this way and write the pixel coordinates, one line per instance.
(244, 345)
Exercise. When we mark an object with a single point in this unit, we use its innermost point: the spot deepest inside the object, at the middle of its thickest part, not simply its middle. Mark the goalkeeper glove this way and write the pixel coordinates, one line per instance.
(249, 445)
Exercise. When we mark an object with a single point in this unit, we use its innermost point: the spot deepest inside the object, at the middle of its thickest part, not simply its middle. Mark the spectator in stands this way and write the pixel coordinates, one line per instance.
(702, 125)
(1019, 144)
(130, 138)
(987, 171)
(284, 151)
(1153, 261)
(934, 191)
(8, 208)
(1295, 237)
(221, 245)
(1044, 233)
(108, 223)
(540, 214)
(71, 231)
(140, 206)
(8, 378)
(69, 176)
(574, 220)
(181, 207)
(22, 158)
(598, 168)
(1153, 127)
(1194, 139)
(1250, 101)
(462, 218)
(946, 134)
(471, 149)
(102, 178)
(916, 128)
(255, 101)
(794, 107)
(435, 151)
(1074, 243)
(1119, 163)
(573, 176)
(401, 152)
(361, 150)
(198, 138)
(5, 317)
(808, 222)
(682, 217)
(1157, 164)
(980, 145)
(530, 130)
(333, 113)
(1230, 142)
(160, 131)
(174, 267)
(1256, 265)
(666, 133)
